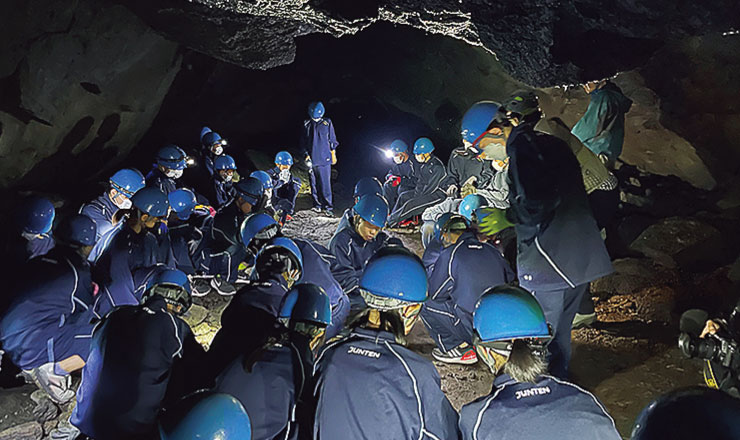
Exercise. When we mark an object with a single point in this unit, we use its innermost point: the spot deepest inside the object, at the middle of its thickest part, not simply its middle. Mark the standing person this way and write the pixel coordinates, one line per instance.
(212, 147)
(123, 185)
(402, 175)
(318, 145)
(285, 186)
(548, 203)
(601, 128)
(273, 381)
(428, 190)
(369, 385)
(511, 337)
(170, 164)
(142, 357)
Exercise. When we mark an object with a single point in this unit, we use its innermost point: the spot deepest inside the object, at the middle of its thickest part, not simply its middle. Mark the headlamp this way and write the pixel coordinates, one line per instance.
(388, 153)
(190, 161)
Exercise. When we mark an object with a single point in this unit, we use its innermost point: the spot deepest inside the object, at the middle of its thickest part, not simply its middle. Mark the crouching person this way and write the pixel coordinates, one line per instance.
(511, 336)
(369, 385)
(272, 382)
(141, 359)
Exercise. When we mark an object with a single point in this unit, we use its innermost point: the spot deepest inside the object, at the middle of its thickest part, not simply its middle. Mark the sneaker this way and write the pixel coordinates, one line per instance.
(410, 223)
(329, 213)
(583, 321)
(57, 387)
(466, 356)
(288, 217)
(316, 209)
(200, 287)
(222, 287)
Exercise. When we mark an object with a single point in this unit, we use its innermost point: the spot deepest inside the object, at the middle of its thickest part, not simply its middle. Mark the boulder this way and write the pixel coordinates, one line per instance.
(652, 304)
(680, 243)
(25, 431)
(632, 275)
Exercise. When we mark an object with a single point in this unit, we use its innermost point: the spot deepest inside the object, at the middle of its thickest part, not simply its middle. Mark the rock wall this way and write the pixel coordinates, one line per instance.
(80, 83)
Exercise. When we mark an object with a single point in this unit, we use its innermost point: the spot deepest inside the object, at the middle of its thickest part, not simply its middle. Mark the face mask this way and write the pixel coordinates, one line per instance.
(284, 175)
(228, 177)
(398, 159)
(174, 174)
(125, 204)
(217, 150)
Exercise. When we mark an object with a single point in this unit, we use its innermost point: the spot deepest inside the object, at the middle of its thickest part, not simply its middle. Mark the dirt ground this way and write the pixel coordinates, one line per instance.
(624, 360)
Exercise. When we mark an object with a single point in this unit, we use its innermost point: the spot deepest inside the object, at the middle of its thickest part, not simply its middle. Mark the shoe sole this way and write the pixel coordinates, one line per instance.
(199, 294)
(456, 361)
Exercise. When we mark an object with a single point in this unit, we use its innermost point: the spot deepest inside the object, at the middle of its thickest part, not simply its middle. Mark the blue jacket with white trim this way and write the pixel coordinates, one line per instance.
(100, 211)
(370, 387)
(317, 262)
(465, 270)
(550, 409)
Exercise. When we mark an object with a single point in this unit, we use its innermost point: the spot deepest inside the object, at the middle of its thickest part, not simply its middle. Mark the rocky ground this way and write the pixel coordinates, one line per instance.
(626, 359)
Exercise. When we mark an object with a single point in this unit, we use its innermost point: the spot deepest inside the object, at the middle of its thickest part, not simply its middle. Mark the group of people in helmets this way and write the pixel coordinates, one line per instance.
(313, 343)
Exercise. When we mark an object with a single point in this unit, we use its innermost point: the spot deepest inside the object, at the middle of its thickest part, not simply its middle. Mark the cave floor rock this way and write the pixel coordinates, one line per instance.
(628, 358)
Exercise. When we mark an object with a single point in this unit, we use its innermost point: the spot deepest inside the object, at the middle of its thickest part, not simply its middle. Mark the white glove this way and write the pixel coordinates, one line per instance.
(451, 191)
(285, 175)
(471, 181)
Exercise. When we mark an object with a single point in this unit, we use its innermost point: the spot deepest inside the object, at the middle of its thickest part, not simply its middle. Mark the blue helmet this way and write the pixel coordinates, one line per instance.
(203, 132)
(172, 157)
(174, 277)
(173, 286)
(152, 201)
(211, 138)
(283, 158)
(182, 202)
(470, 203)
(423, 146)
(445, 220)
(250, 189)
(368, 185)
(263, 177)
(307, 302)
(398, 146)
(396, 273)
(372, 208)
(207, 416)
(477, 119)
(689, 413)
(127, 181)
(36, 215)
(316, 110)
(254, 224)
(78, 230)
(278, 245)
(224, 162)
(509, 312)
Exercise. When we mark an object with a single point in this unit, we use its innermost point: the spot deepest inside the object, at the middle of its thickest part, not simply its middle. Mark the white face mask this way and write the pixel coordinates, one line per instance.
(125, 204)
(398, 159)
(174, 174)
(285, 175)
(217, 150)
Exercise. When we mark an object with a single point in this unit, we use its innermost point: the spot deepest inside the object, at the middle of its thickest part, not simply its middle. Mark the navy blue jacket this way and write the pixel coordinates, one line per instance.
(465, 270)
(226, 226)
(142, 358)
(369, 387)
(223, 192)
(407, 171)
(270, 386)
(189, 242)
(431, 255)
(208, 158)
(52, 306)
(318, 140)
(100, 211)
(20, 249)
(463, 164)
(283, 193)
(431, 176)
(317, 262)
(157, 179)
(559, 244)
(550, 409)
(352, 252)
(127, 252)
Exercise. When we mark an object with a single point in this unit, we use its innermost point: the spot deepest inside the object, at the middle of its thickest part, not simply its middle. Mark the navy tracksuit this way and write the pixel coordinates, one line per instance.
(463, 165)
(351, 254)
(461, 274)
(407, 171)
(208, 158)
(246, 322)
(158, 179)
(223, 192)
(100, 211)
(114, 269)
(318, 140)
(317, 262)
(284, 193)
(549, 409)
(22, 247)
(50, 317)
(431, 255)
(370, 387)
(141, 359)
(271, 383)
(559, 247)
(428, 192)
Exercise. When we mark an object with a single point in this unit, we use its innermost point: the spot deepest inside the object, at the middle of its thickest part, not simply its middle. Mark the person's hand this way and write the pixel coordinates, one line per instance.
(333, 157)
(471, 181)
(394, 180)
(710, 328)
(451, 191)
(467, 189)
